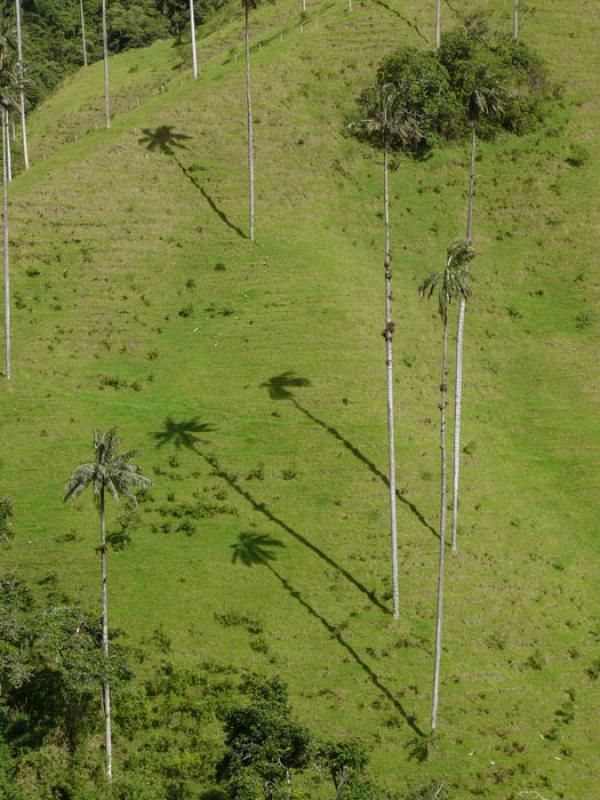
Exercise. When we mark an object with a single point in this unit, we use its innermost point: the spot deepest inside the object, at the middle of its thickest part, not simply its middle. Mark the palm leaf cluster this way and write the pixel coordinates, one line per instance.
(450, 283)
(111, 470)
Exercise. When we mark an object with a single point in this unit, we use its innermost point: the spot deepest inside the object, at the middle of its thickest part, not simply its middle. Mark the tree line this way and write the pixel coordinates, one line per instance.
(206, 733)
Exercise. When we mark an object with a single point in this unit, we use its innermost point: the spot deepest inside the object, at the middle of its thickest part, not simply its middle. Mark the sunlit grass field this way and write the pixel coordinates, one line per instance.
(140, 302)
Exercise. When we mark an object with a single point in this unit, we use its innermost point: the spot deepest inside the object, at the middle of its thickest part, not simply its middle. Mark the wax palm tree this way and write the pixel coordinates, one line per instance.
(449, 285)
(486, 101)
(516, 22)
(438, 23)
(193, 34)
(20, 72)
(10, 86)
(111, 472)
(389, 120)
(83, 36)
(105, 50)
(249, 5)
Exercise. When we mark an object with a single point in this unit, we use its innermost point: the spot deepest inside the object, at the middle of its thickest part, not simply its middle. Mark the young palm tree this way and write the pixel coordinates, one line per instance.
(516, 22)
(9, 92)
(20, 72)
(449, 285)
(112, 472)
(83, 37)
(105, 49)
(193, 34)
(486, 100)
(248, 5)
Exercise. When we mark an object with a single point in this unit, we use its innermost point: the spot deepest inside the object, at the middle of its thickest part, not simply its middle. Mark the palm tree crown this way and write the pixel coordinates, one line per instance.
(451, 282)
(111, 470)
(389, 115)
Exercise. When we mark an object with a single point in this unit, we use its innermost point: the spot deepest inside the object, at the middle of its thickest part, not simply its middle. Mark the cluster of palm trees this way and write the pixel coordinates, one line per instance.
(392, 117)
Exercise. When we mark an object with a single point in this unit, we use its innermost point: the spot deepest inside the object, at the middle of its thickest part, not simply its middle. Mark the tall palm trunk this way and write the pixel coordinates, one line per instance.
(438, 23)
(443, 502)
(105, 685)
(250, 121)
(83, 38)
(5, 251)
(459, 344)
(516, 22)
(388, 333)
(8, 150)
(193, 34)
(105, 47)
(22, 92)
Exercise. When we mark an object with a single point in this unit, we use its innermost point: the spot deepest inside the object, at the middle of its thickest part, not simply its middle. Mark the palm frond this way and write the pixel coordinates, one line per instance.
(112, 471)
(451, 282)
(80, 480)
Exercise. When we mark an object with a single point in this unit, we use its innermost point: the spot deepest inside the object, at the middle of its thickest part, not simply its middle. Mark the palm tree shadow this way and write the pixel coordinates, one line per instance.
(182, 434)
(253, 549)
(185, 434)
(279, 388)
(164, 139)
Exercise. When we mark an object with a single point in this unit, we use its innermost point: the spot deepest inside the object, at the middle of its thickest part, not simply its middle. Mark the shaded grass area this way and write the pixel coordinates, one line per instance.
(137, 303)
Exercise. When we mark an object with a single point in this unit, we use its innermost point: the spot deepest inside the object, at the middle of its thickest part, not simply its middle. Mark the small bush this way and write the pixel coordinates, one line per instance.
(578, 156)
(6, 513)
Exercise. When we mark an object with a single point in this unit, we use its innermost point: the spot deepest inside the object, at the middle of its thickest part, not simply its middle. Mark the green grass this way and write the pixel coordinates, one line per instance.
(116, 232)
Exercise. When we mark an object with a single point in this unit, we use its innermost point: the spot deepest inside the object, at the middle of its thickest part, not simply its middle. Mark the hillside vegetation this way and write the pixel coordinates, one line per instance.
(140, 302)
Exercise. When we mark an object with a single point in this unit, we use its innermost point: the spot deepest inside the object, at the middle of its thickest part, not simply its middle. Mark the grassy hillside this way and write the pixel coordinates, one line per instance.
(139, 302)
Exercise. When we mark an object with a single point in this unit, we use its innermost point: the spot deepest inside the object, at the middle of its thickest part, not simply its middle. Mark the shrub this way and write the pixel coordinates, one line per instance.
(424, 85)
(6, 512)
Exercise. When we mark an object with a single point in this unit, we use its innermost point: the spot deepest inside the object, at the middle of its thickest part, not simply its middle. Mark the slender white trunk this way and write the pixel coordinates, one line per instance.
(438, 23)
(193, 34)
(443, 502)
(105, 47)
(516, 22)
(459, 347)
(22, 91)
(83, 38)
(5, 251)
(250, 122)
(350, 6)
(389, 332)
(105, 685)
(8, 154)
(303, 5)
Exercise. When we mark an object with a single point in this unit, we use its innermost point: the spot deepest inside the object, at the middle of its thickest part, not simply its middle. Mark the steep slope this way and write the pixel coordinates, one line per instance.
(140, 303)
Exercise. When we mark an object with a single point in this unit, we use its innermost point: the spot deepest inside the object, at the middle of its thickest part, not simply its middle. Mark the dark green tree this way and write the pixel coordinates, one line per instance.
(264, 744)
(345, 760)
(111, 472)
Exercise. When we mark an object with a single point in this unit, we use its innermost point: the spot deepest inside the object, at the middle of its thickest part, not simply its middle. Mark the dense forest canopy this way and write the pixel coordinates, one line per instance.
(52, 32)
